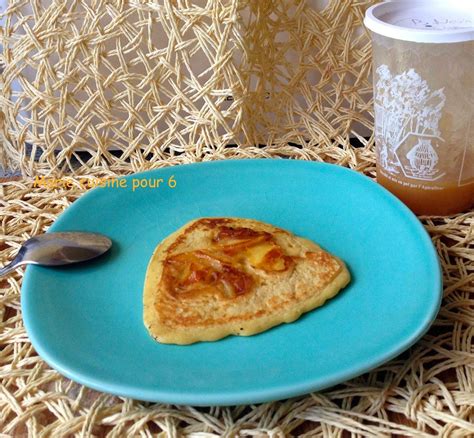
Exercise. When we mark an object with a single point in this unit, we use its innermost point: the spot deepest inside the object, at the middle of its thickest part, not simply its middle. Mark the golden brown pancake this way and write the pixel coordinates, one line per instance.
(216, 277)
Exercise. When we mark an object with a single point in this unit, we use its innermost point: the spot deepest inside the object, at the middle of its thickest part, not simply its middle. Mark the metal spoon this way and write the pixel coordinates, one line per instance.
(54, 249)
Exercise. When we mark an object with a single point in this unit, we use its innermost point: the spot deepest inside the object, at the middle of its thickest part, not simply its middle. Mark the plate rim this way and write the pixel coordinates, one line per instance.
(237, 396)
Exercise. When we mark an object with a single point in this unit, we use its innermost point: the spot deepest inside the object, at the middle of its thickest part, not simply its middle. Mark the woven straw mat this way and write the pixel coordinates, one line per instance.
(109, 88)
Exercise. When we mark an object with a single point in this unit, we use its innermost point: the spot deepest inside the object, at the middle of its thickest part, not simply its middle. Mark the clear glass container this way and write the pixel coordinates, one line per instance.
(424, 110)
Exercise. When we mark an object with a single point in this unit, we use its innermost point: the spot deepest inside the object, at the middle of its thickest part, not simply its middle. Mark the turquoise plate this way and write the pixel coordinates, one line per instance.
(86, 320)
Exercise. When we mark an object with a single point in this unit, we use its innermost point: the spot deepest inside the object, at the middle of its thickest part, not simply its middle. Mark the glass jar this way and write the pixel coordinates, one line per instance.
(423, 59)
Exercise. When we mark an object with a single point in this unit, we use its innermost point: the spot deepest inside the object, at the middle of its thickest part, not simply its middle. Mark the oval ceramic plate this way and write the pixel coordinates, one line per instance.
(86, 320)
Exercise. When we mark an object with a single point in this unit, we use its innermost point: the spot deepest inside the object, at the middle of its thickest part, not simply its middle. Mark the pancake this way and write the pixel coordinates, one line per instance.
(216, 277)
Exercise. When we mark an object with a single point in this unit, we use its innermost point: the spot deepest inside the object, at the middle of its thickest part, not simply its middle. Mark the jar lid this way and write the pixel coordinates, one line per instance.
(423, 21)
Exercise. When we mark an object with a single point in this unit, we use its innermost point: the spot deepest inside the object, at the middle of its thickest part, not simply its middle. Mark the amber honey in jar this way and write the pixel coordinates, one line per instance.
(423, 59)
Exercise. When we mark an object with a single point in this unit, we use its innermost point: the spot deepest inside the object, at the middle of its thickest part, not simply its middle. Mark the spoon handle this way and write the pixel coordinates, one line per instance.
(9, 268)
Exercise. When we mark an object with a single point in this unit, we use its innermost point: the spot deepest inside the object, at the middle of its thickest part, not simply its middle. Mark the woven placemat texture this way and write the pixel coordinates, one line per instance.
(427, 391)
(178, 81)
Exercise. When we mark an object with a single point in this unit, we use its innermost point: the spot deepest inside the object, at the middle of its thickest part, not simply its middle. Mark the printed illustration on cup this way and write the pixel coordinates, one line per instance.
(408, 114)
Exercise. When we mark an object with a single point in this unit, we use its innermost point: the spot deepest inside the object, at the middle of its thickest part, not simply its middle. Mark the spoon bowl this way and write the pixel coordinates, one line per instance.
(55, 249)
